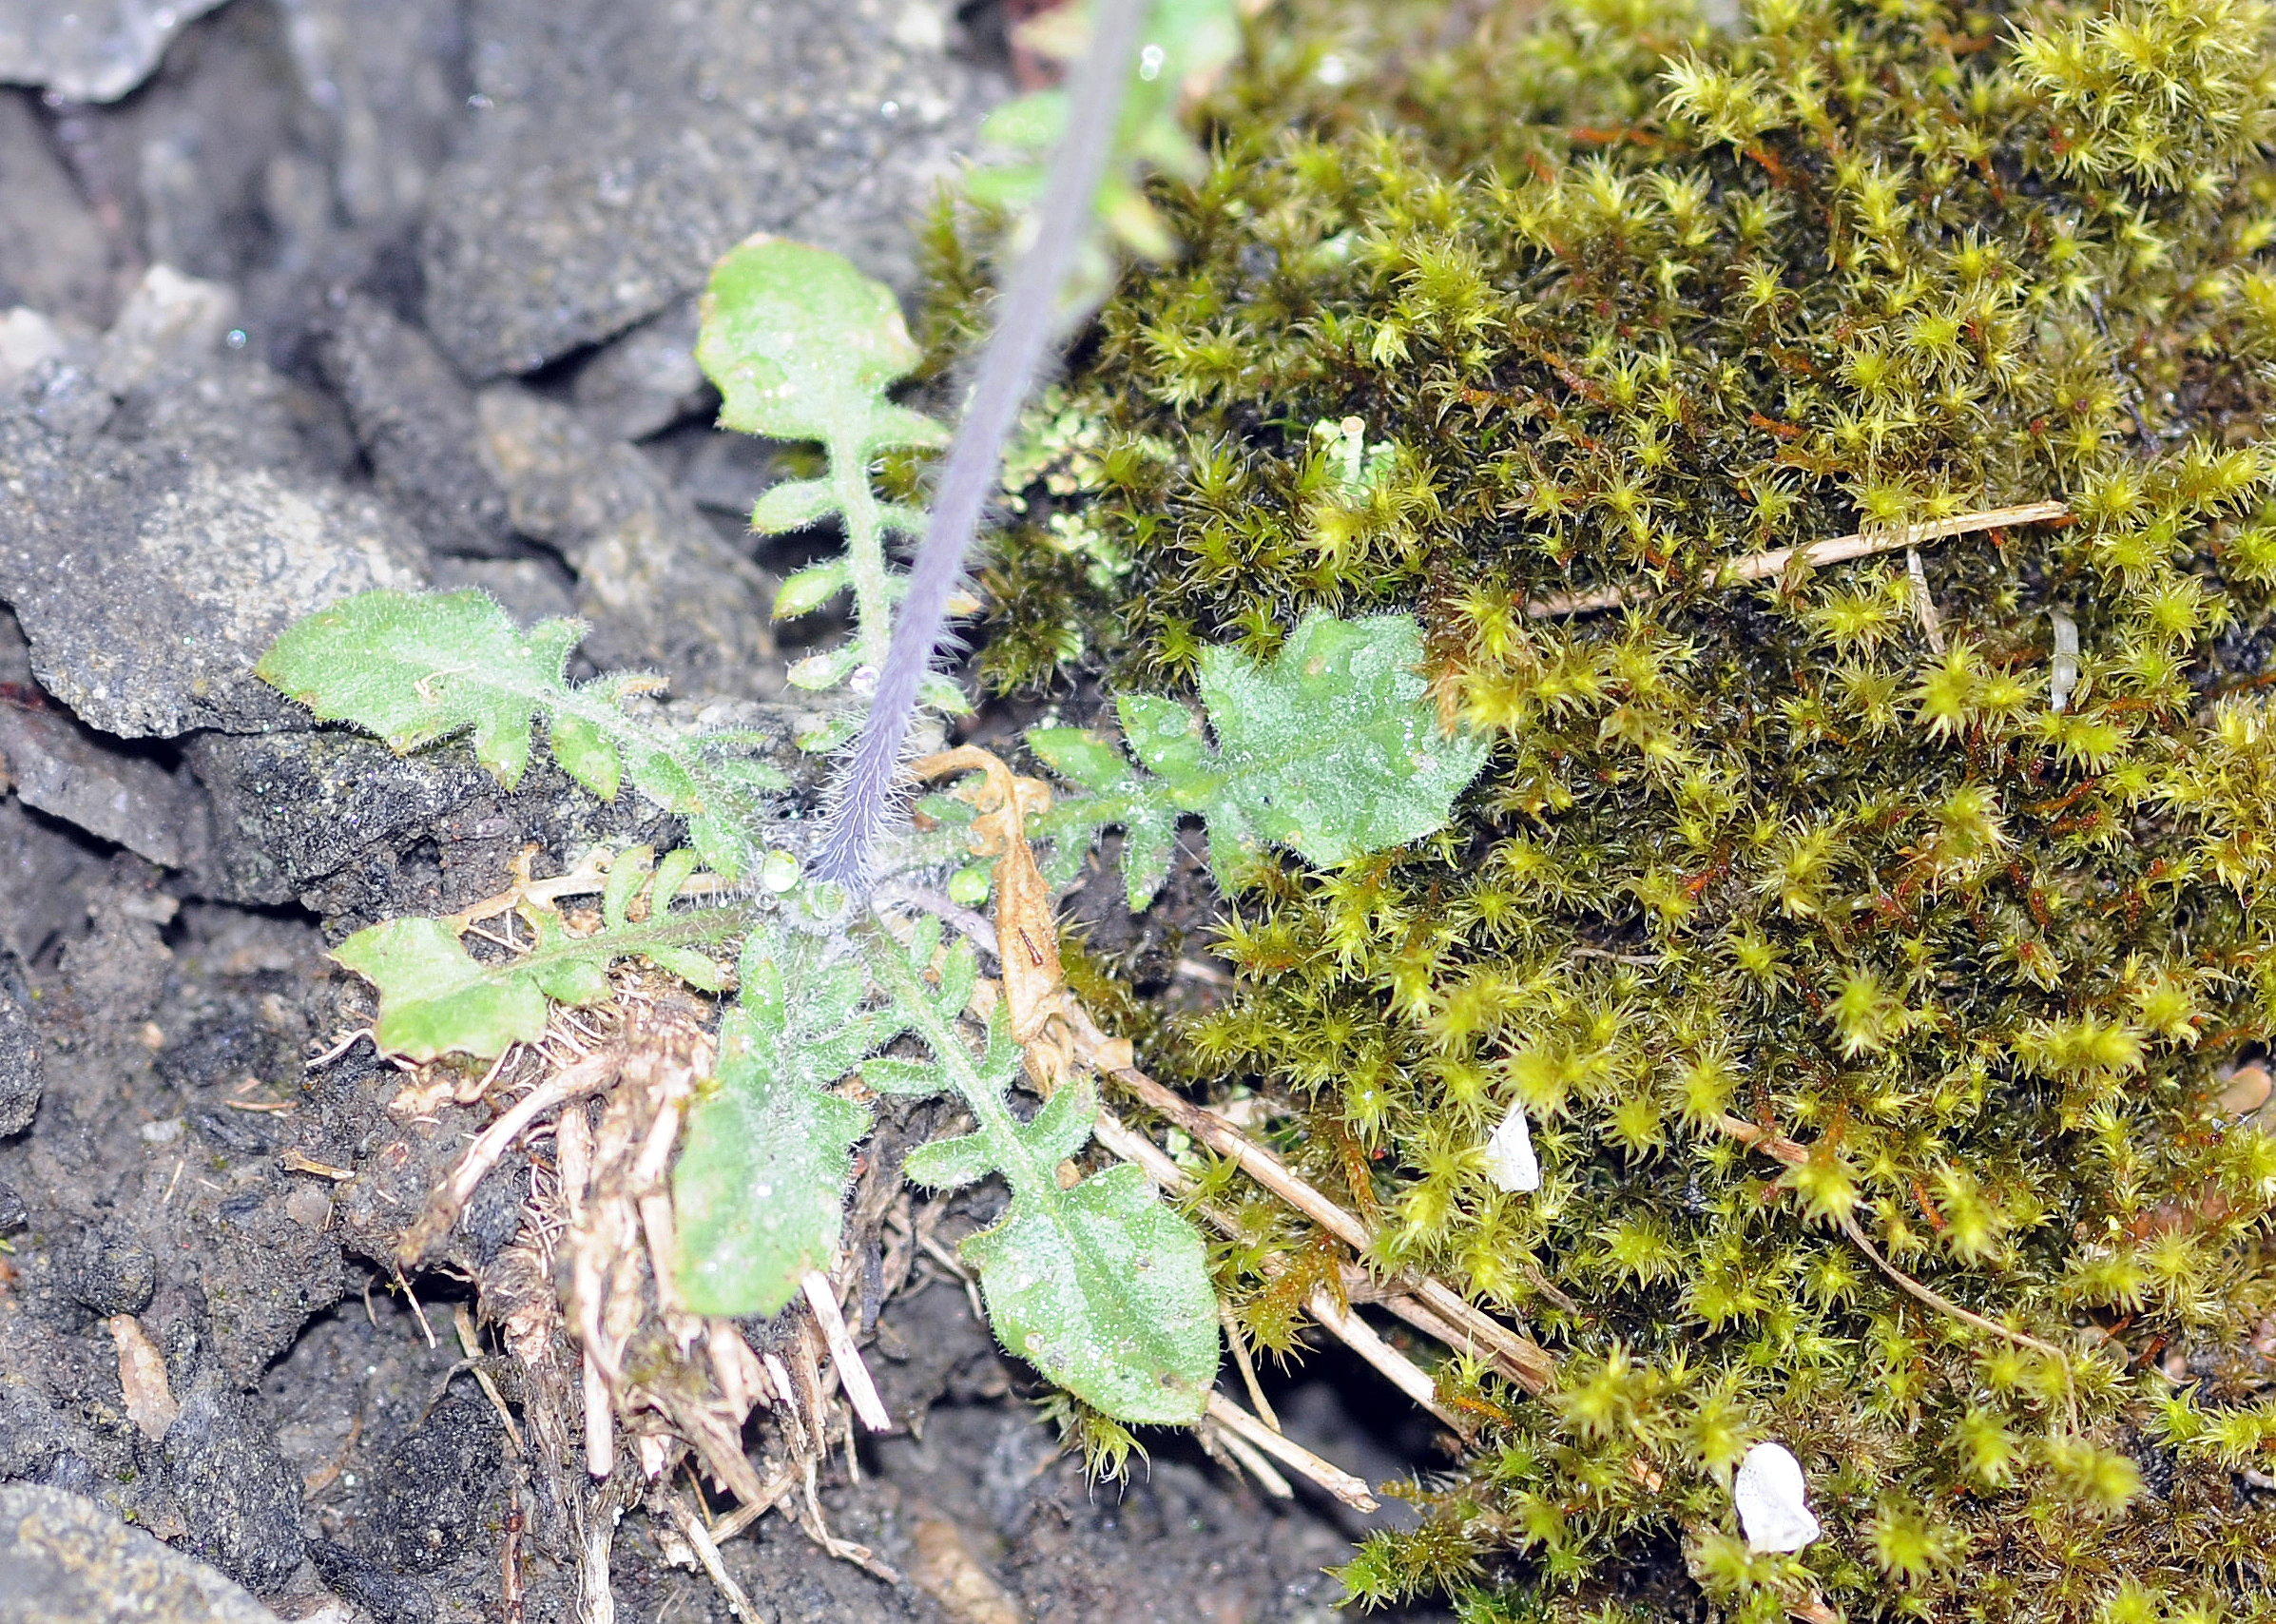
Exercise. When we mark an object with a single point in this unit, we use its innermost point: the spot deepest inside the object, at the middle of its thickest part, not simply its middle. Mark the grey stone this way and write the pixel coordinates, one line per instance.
(646, 379)
(415, 422)
(90, 50)
(108, 1272)
(291, 808)
(66, 1560)
(26, 339)
(169, 320)
(622, 145)
(382, 74)
(14, 1215)
(662, 588)
(437, 1483)
(53, 254)
(63, 768)
(149, 585)
(221, 1464)
(531, 588)
(41, 871)
(21, 1077)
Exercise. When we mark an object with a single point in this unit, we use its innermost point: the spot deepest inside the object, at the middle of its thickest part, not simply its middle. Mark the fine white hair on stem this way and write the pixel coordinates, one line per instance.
(863, 795)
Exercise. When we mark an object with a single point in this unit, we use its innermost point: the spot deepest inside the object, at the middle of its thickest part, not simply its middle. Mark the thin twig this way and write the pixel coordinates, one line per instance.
(1761, 565)
(586, 1077)
(784, 1479)
(1250, 1457)
(1522, 1359)
(852, 1373)
(471, 1345)
(1403, 1373)
(1248, 1366)
(1351, 1490)
(699, 1540)
(1793, 1153)
(1935, 1300)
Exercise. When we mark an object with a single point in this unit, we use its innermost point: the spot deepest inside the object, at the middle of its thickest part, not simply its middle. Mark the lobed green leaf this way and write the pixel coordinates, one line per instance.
(760, 1183)
(1333, 750)
(419, 667)
(435, 999)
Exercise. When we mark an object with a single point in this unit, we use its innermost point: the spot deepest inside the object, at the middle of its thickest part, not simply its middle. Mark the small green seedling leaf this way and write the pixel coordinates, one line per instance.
(419, 667)
(805, 347)
(436, 998)
(802, 347)
(1333, 750)
(1101, 1287)
(762, 1175)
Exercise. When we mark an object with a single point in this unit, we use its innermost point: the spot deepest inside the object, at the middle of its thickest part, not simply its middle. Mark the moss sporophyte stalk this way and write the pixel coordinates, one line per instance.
(1800, 984)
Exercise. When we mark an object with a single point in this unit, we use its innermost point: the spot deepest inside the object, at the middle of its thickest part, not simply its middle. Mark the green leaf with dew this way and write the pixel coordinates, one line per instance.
(436, 998)
(763, 1174)
(419, 667)
(1332, 749)
(1101, 1287)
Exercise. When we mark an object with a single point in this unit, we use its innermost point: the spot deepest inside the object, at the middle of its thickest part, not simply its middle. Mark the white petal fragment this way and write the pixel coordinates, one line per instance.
(1510, 1154)
(1774, 1506)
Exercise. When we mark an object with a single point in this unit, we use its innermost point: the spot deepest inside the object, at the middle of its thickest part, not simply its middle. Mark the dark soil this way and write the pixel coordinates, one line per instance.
(442, 251)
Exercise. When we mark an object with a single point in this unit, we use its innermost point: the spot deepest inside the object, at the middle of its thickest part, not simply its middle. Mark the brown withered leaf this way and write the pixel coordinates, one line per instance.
(1027, 932)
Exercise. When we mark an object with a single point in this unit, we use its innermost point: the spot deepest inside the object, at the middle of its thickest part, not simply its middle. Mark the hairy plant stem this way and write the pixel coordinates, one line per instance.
(865, 547)
(863, 799)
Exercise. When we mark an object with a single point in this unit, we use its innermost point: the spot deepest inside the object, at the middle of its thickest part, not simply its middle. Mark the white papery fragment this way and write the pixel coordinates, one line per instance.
(1510, 1154)
(1773, 1500)
(2063, 680)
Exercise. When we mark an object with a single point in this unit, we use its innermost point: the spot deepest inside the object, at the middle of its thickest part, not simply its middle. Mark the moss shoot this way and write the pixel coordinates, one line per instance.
(1865, 865)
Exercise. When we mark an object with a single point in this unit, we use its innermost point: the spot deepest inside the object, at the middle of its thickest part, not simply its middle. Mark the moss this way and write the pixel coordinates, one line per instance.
(1624, 298)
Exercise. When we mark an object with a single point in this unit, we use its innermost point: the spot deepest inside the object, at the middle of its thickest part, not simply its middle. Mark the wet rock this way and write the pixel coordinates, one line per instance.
(21, 1079)
(646, 379)
(27, 338)
(291, 808)
(662, 588)
(219, 1461)
(66, 1560)
(264, 1273)
(63, 768)
(210, 168)
(622, 145)
(92, 51)
(32, 1434)
(415, 422)
(53, 255)
(108, 1272)
(391, 1599)
(149, 585)
(385, 76)
(494, 1213)
(169, 320)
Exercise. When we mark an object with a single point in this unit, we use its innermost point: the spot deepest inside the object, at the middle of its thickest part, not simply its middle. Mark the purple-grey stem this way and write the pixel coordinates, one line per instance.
(864, 799)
